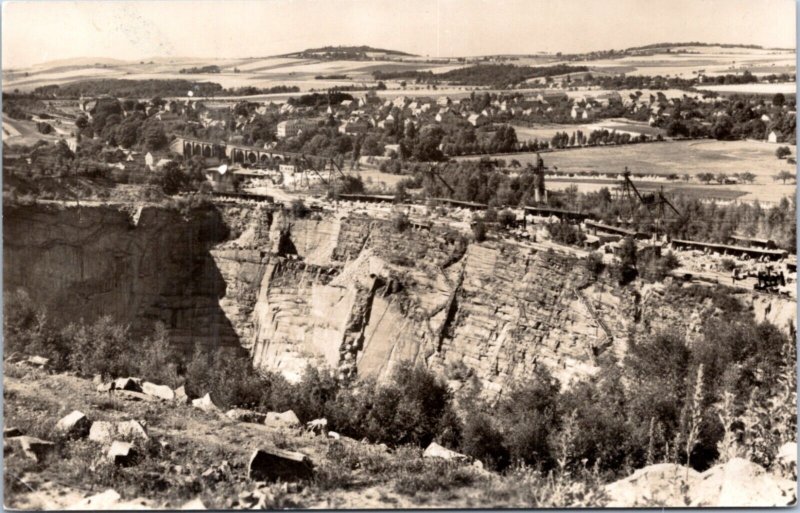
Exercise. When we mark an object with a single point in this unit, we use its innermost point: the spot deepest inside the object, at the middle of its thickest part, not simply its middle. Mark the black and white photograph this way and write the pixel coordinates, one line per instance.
(384, 254)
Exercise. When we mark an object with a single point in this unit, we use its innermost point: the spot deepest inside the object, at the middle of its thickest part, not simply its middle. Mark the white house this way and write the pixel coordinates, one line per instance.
(477, 119)
(772, 137)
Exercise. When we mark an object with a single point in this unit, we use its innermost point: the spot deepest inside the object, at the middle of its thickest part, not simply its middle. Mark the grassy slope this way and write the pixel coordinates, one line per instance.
(350, 474)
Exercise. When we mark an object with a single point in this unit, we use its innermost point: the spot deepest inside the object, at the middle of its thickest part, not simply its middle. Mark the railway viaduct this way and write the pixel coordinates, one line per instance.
(236, 153)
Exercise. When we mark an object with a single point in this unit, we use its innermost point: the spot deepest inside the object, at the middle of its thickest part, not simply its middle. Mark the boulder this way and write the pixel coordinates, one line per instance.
(654, 485)
(285, 419)
(102, 432)
(180, 395)
(741, 483)
(161, 391)
(737, 483)
(131, 429)
(130, 384)
(75, 425)
(34, 448)
(317, 426)
(275, 464)
(38, 361)
(435, 450)
(121, 453)
(194, 504)
(241, 415)
(11, 432)
(205, 403)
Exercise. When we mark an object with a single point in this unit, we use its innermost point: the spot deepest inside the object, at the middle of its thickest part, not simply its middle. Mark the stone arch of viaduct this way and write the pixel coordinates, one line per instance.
(236, 153)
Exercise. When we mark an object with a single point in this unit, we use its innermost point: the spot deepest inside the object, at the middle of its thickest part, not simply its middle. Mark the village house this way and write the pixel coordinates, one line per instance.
(478, 119)
(772, 137)
(358, 126)
(292, 127)
(391, 149)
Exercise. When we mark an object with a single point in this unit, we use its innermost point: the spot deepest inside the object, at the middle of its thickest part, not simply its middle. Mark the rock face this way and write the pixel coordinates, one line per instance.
(348, 292)
(737, 483)
(155, 268)
(275, 464)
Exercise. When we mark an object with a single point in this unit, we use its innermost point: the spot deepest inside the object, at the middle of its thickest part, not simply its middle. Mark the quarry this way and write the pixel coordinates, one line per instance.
(340, 289)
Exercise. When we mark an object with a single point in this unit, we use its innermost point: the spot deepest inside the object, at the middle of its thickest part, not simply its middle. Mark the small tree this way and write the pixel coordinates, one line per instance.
(782, 152)
(784, 175)
(747, 177)
(705, 177)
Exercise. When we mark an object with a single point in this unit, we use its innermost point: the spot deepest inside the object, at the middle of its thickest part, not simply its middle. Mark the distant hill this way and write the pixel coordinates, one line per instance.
(346, 53)
(656, 46)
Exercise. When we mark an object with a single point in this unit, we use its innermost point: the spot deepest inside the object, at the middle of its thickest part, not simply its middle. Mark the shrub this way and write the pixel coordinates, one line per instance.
(594, 264)
(158, 360)
(100, 348)
(400, 222)
(298, 209)
(482, 440)
(479, 231)
(565, 233)
(727, 265)
(506, 218)
(528, 414)
(229, 378)
(411, 409)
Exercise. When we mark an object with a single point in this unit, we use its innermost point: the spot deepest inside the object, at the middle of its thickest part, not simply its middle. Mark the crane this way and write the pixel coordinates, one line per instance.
(433, 172)
(657, 202)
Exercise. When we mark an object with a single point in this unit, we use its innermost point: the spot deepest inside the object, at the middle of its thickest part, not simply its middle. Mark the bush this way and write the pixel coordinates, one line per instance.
(594, 264)
(159, 361)
(479, 231)
(507, 218)
(565, 233)
(412, 409)
(483, 441)
(528, 414)
(298, 209)
(400, 222)
(100, 348)
(727, 265)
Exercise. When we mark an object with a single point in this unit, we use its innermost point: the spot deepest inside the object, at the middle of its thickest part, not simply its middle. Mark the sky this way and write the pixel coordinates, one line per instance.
(36, 31)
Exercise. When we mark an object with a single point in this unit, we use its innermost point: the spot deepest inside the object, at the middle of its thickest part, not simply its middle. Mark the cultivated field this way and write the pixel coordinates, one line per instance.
(785, 88)
(678, 157)
(709, 60)
(547, 131)
(692, 157)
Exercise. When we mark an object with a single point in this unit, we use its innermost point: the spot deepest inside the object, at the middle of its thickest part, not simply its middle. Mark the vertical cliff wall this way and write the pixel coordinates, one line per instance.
(139, 267)
(351, 293)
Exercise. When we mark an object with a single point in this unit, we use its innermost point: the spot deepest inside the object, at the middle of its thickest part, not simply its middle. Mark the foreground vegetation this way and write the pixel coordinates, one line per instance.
(729, 392)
